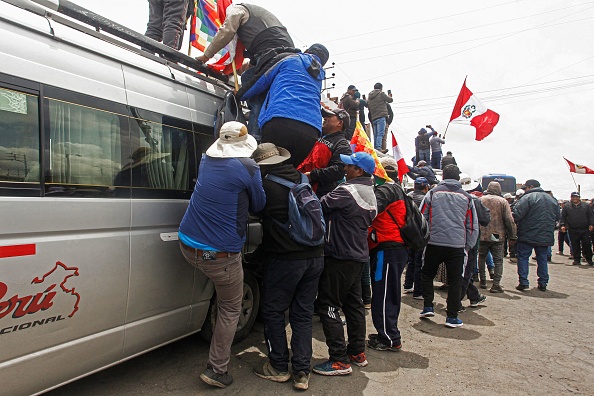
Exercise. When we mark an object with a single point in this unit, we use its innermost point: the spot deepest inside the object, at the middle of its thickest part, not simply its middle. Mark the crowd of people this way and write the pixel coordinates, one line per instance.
(334, 236)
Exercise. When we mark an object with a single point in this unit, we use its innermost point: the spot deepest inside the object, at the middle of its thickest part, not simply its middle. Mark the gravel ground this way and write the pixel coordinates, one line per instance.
(517, 343)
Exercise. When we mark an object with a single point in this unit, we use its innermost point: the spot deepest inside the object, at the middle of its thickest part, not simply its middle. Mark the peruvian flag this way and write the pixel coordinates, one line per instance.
(469, 110)
(397, 154)
(577, 168)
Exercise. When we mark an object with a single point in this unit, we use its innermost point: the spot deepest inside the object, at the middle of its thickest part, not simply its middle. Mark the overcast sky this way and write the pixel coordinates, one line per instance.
(532, 61)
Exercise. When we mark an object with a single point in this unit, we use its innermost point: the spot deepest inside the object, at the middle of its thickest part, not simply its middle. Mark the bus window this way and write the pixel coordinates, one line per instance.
(19, 137)
(85, 145)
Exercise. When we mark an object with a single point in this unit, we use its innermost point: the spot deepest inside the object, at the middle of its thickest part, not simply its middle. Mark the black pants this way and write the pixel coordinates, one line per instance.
(454, 262)
(340, 288)
(413, 275)
(292, 285)
(295, 136)
(386, 271)
(467, 287)
(580, 242)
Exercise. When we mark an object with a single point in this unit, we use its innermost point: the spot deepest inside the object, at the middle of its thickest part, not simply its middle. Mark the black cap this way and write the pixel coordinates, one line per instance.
(320, 51)
(530, 183)
(340, 113)
(575, 194)
(352, 88)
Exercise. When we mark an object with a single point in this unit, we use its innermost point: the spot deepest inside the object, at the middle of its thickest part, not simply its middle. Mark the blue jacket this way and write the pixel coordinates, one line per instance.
(536, 214)
(451, 215)
(294, 85)
(226, 190)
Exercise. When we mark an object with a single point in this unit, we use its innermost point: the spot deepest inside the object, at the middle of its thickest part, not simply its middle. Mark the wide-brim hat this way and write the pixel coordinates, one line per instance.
(270, 154)
(233, 142)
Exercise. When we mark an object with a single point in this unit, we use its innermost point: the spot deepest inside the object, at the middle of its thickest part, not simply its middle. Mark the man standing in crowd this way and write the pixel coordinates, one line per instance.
(448, 160)
(349, 211)
(291, 117)
(535, 215)
(167, 20)
(577, 219)
(453, 230)
(435, 142)
(492, 236)
(351, 105)
(412, 280)
(422, 145)
(388, 259)
(290, 278)
(378, 112)
(212, 233)
(263, 36)
(325, 177)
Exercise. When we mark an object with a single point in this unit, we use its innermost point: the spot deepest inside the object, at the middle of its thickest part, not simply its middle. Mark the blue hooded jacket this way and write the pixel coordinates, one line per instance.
(295, 85)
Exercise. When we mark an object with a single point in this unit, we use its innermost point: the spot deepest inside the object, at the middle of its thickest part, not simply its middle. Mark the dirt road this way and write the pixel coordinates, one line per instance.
(518, 343)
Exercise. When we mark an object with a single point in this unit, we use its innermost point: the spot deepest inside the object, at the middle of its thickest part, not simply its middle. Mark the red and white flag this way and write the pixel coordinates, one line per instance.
(577, 168)
(469, 110)
(397, 154)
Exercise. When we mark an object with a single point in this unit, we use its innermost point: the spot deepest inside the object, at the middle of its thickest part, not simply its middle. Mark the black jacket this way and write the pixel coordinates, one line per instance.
(448, 160)
(328, 177)
(577, 217)
(536, 213)
(276, 241)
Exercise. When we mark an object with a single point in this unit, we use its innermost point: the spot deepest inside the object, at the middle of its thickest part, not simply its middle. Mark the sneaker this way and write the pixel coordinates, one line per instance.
(408, 291)
(359, 359)
(542, 287)
(270, 373)
(376, 344)
(330, 367)
(482, 299)
(453, 322)
(496, 289)
(427, 312)
(215, 379)
(521, 287)
(419, 297)
(483, 284)
(461, 309)
(301, 381)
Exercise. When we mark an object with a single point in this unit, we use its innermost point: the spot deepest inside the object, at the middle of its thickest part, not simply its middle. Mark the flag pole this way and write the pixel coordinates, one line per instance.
(569, 169)
(446, 130)
(235, 74)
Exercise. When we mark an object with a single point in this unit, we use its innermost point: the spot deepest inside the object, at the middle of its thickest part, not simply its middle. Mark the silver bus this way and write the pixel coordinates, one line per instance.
(100, 144)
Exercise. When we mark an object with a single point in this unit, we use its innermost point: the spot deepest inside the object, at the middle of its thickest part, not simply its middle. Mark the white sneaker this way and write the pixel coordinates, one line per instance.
(408, 291)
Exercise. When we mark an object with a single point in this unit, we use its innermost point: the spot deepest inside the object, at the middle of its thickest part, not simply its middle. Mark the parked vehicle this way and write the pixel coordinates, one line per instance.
(507, 182)
(100, 144)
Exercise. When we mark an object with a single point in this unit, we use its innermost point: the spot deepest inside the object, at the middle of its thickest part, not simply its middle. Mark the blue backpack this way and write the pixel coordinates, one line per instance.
(306, 223)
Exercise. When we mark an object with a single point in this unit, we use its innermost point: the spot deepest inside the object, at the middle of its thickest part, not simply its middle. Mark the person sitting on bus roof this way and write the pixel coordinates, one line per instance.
(424, 170)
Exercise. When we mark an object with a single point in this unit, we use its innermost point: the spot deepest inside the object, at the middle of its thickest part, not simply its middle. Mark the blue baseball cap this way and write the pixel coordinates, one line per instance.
(360, 159)
(421, 181)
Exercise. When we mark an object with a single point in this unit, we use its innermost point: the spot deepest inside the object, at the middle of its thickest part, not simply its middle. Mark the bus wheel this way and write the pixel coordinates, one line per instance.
(250, 304)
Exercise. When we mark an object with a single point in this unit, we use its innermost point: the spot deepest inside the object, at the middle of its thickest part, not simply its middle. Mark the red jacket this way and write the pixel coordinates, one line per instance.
(384, 233)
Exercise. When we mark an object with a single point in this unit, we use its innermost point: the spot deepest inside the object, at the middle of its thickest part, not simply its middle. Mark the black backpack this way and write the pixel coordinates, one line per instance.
(415, 232)
(229, 110)
(306, 223)
(423, 142)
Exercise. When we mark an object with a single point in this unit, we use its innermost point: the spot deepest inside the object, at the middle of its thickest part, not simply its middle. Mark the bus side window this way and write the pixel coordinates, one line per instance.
(19, 137)
(85, 144)
(162, 154)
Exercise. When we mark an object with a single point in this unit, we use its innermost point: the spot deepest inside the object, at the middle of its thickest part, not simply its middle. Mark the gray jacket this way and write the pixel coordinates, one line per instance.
(536, 214)
(451, 215)
(436, 143)
(349, 210)
(377, 103)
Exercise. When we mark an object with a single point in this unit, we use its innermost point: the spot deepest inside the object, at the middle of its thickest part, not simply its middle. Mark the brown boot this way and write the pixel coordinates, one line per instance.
(496, 288)
(483, 284)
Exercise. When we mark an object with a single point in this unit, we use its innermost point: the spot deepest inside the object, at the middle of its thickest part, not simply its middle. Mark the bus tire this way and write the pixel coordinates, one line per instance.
(250, 304)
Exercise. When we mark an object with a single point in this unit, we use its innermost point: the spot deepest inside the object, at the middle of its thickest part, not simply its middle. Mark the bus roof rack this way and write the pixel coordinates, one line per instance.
(88, 17)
